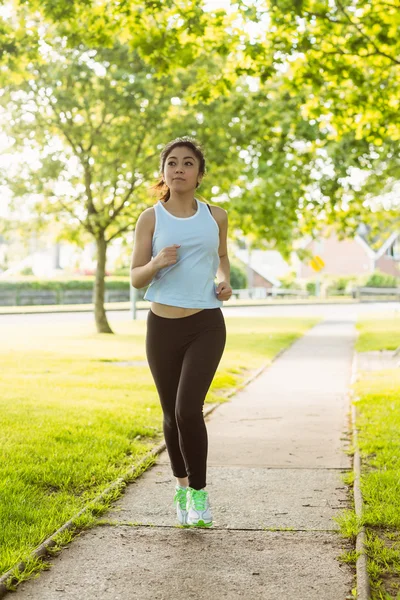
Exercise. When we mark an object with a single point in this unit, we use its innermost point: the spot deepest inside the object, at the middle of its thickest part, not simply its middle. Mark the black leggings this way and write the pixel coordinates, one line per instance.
(183, 356)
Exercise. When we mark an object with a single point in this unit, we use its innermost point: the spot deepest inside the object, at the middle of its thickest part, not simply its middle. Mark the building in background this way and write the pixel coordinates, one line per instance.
(360, 255)
(264, 268)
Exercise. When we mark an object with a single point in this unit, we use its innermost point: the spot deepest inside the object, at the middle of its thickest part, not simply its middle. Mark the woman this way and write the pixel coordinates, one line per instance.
(180, 244)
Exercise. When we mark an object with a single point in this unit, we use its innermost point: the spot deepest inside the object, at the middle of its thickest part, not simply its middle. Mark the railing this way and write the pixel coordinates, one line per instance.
(262, 292)
(50, 297)
(368, 292)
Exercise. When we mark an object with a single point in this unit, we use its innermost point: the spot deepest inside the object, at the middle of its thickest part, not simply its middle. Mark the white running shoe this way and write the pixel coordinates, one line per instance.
(180, 498)
(198, 508)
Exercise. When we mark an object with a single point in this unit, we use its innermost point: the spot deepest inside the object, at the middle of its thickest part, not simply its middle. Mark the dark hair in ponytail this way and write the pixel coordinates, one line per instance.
(191, 143)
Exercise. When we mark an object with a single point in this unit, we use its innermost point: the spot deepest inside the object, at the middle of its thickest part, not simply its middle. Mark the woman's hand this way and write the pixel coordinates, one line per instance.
(167, 256)
(223, 291)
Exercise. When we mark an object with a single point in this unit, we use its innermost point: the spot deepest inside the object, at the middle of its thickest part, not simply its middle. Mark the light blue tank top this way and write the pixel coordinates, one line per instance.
(188, 283)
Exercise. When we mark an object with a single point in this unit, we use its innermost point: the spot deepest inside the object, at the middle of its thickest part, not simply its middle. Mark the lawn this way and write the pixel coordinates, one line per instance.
(73, 420)
(378, 402)
(380, 332)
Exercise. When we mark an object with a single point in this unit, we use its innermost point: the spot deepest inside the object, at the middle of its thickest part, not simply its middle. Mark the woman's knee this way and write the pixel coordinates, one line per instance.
(186, 415)
(169, 420)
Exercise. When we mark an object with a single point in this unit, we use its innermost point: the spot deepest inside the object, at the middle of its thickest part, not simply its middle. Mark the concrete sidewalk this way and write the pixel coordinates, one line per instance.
(276, 453)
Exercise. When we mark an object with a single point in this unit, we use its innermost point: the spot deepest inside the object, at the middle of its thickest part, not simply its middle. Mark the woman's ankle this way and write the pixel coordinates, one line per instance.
(182, 481)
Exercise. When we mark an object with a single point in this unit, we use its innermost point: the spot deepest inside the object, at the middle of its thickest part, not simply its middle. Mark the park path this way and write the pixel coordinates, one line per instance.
(276, 455)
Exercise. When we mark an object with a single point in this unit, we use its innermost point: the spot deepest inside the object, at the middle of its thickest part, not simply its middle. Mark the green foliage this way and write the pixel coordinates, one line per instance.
(238, 277)
(379, 279)
(345, 59)
(289, 281)
(340, 286)
(121, 283)
(311, 287)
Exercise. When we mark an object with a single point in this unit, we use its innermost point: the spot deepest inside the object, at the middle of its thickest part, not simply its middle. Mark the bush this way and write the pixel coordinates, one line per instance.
(86, 283)
(379, 279)
(311, 288)
(289, 282)
(340, 286)
(238, 277)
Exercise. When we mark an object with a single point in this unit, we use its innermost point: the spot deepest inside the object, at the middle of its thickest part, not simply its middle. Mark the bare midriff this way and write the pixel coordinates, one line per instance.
(172, 312)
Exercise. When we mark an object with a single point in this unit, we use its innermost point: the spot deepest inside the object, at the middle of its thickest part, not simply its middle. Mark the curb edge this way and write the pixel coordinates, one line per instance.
(363, 587)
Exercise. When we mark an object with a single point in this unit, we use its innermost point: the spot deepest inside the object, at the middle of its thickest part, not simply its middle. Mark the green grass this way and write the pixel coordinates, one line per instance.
(380, 332)
(72, 420)
(378, 401)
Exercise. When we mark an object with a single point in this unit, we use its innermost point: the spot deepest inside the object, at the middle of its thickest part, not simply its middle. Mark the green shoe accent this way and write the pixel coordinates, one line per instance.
(181, 496)
(201, 524)
(199, 498)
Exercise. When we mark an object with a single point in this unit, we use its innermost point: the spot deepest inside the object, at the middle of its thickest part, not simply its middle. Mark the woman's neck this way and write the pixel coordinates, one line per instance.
(182, 206)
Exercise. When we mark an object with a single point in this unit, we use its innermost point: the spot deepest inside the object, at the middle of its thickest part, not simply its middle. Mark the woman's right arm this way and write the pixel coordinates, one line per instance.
(143, 268)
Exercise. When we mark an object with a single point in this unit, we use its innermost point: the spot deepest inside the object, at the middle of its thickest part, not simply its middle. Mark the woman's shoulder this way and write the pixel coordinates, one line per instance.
(219, 213)
(147, 218)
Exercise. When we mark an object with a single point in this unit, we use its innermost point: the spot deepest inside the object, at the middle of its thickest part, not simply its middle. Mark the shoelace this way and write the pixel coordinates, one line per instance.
(199, 499)
(180, 496)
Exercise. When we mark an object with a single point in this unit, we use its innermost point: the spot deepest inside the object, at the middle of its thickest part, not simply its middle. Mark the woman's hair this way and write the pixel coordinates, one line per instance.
(191, 143)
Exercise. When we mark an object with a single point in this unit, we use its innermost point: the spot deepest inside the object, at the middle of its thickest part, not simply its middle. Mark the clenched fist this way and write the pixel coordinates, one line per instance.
(167, 256)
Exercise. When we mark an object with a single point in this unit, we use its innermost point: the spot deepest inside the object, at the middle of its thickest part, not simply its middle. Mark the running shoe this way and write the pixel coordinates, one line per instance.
(198, 507)
(180, 498)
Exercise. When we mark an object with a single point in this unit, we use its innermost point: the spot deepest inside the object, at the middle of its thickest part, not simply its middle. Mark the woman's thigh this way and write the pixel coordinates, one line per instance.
(165, 356)
(200, 362)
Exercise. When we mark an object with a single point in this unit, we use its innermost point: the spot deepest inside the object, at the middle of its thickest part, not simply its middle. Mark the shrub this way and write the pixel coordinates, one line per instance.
(379, 279)
(86, 283)
(238, 277)
(311, 288)
(340, 286)
(289, 281)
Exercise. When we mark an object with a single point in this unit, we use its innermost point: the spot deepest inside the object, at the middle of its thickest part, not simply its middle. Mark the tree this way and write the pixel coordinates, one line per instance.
(343, 55)
(102, 105)
(97, 118)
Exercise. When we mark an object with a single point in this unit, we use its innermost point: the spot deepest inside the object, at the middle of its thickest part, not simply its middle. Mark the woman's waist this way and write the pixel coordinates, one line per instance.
(173, 312)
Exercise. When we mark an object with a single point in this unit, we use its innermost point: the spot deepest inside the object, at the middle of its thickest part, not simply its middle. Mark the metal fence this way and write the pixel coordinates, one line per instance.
(371, 293)
(273, 292)
(51, 297)
(42, 297)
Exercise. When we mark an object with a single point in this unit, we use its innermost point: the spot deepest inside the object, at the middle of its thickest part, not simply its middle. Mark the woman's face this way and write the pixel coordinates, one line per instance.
(181, 169)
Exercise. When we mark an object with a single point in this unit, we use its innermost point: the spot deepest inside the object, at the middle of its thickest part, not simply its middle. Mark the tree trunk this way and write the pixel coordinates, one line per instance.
(98, 292)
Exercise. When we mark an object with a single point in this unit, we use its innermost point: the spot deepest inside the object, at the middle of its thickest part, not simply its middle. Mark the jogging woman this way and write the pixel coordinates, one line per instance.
(180, 247)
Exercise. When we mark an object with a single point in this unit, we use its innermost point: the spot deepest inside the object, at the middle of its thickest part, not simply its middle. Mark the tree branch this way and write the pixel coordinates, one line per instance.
(137, 152)
(326, 17)
(364, 35)
(119, 232)
(334, 52)
(86, 225)
(126, 197)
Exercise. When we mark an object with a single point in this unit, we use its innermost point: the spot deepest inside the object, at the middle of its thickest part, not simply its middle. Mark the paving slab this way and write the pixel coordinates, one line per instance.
(242, 498)
(127, 563)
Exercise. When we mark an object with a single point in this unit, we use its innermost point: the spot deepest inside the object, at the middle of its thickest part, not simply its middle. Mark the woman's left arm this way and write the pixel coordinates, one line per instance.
(224, 290)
